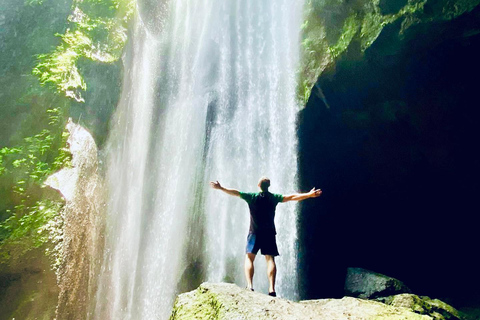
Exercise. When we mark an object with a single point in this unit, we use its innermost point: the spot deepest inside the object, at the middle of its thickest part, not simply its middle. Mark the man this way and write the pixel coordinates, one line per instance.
(262, 227)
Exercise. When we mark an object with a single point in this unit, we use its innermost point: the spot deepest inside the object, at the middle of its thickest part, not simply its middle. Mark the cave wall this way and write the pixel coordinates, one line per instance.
(390, 135)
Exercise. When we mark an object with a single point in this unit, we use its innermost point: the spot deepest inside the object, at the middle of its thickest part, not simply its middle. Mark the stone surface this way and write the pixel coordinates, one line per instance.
(367, 284)
(385, 147)
(82, 188)
(345, 27)
(228, 301)
(437, 309)
(29, 289)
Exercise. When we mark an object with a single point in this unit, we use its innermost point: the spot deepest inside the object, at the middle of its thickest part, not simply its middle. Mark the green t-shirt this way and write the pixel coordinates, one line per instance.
(262, 210)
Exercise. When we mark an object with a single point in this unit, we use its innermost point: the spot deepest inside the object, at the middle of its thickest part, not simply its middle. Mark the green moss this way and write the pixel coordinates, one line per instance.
(434, 308)
(363, 22)
(314, 52)
(206, 306)
(372, 25)
(350, 29)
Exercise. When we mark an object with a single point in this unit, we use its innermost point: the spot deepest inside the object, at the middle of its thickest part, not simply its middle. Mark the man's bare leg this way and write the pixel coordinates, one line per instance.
(271, 272)
(249, 269)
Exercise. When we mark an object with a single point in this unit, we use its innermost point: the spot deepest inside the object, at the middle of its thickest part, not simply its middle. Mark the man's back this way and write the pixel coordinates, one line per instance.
(262, 227)
(262, 210)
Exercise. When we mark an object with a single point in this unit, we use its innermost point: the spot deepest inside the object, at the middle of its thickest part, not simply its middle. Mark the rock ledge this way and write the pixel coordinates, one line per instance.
(224, 301)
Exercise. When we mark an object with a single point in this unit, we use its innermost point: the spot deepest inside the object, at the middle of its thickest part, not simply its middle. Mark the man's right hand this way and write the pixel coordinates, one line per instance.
(218, 186)
(215, 185)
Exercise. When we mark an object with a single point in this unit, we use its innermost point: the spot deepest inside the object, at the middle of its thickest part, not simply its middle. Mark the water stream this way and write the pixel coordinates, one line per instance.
(209, 94)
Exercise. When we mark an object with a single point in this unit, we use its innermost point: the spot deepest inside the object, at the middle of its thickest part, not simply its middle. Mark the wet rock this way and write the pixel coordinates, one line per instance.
(228, 301)
(435, 308)
(367, 284)
(82, 188)
(28, 290)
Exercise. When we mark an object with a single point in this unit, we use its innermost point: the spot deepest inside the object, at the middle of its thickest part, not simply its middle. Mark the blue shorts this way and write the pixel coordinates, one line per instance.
(264, 242)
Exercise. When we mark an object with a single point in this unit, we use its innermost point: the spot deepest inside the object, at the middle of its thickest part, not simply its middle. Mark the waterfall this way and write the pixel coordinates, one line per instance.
(208, 94)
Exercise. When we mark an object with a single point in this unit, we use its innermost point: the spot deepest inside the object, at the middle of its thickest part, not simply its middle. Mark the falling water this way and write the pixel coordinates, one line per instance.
(209, 93)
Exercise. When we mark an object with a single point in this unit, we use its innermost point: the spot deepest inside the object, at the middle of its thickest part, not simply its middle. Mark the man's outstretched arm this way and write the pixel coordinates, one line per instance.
(302, 196)
(218, 186)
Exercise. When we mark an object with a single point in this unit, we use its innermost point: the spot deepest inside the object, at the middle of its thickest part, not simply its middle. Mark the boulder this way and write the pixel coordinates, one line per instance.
(435, 308)
(367, 284)
(223, 301)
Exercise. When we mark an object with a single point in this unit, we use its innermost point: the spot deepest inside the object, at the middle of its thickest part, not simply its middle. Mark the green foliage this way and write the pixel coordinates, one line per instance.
(21, 233)
(38, 156)
(97, 32)
(28, 29)
(23, 169)
(53, 41)
(59, 67)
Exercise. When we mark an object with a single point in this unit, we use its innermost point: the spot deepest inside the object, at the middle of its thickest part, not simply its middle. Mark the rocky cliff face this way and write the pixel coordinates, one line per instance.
(228, 301)
(82, 189)
(28, 290)
(335, 28)
(389, 133)
(56, 281)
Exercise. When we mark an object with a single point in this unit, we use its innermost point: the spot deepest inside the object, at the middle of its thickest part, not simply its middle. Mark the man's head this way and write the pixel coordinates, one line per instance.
(264, 183)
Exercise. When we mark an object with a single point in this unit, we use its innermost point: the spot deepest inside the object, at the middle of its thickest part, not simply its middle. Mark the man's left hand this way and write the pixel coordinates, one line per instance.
(315, 192)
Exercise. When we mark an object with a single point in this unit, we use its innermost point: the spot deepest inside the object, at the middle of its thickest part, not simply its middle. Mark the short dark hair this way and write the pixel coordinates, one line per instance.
(264, 183)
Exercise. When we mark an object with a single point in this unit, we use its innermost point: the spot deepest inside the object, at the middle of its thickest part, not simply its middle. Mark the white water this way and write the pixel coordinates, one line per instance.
(212, 96)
